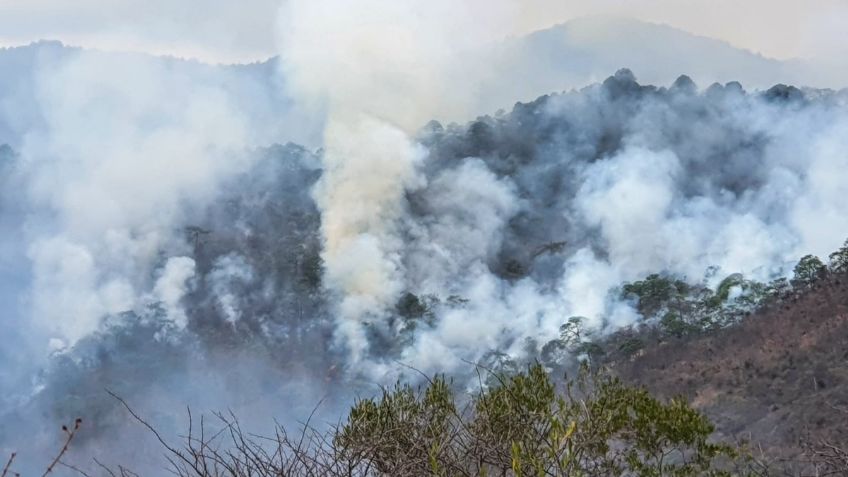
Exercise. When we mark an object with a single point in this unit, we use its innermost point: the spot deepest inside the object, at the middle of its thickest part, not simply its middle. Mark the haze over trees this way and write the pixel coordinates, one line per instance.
(595, 226)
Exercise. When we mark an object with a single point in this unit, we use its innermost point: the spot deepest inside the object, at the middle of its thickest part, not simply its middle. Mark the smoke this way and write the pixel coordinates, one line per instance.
(172, 286)
(368, 167)
(232, 277)
(398, 61)
(116, 159)
(382, 68)
(118, 152)
(165, 246)
(537, 215)
(632, 179)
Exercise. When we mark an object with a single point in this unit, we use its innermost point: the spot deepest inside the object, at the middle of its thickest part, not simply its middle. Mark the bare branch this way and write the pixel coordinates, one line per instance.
(71, 433)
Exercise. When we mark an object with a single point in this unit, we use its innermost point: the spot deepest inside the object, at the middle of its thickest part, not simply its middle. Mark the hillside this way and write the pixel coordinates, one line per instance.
(585, 50)
(778, 376)
(210, 285)
(404, 238)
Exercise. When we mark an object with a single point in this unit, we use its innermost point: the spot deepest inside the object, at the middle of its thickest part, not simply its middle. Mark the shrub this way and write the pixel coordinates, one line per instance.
(596, 426)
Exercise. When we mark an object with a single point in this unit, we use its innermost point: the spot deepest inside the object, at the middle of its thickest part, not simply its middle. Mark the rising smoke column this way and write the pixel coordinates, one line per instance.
(368, 167)
(382, 68)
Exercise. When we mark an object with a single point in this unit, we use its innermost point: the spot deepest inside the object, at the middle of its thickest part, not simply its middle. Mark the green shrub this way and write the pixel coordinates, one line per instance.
(524, 426)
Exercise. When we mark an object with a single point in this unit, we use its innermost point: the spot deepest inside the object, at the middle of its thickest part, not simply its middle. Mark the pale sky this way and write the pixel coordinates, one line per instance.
(244, 30)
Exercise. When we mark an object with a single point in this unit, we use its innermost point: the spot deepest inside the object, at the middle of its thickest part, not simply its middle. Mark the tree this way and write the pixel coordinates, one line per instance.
(839, 259)
(656, 293)
(777, 287)
(571, 333)
(572, 341)
(410, 307)
(402, 433)
(808, 270)
(673, 324)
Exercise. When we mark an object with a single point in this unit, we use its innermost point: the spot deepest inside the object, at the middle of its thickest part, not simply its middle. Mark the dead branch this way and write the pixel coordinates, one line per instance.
(8, 464)
(70, 433)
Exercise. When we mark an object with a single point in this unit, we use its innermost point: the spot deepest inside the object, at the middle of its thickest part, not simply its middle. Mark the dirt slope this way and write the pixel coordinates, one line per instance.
(778, 375)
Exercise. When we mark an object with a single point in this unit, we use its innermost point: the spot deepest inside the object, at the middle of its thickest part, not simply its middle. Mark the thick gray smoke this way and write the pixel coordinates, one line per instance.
(534, 215)
(112, 163)
(157, 244)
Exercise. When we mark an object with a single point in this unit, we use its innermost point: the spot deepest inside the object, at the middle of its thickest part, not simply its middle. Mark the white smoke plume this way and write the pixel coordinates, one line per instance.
(382, 68)
(368, 167)
(172, 286)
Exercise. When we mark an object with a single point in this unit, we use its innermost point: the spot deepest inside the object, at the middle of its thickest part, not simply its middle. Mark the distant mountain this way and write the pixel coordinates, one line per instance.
(586, 50)
(568, 56)
(257, 88)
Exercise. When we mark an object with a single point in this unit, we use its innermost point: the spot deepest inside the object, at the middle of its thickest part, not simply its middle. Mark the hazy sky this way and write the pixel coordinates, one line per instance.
(239, 30)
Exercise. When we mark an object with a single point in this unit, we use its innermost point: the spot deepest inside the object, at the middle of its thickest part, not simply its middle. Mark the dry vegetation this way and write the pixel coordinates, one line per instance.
(778, 378)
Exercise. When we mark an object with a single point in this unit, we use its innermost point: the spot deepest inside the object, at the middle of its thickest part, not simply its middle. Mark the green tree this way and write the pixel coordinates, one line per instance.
(571, 333)
(403, 432)
(655, 293)
(674, 325)
(777, 287)
(808, 270)
(839, 259)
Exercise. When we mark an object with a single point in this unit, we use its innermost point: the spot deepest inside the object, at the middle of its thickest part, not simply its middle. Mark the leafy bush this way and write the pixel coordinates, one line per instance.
(402, 433)
(523, 426)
